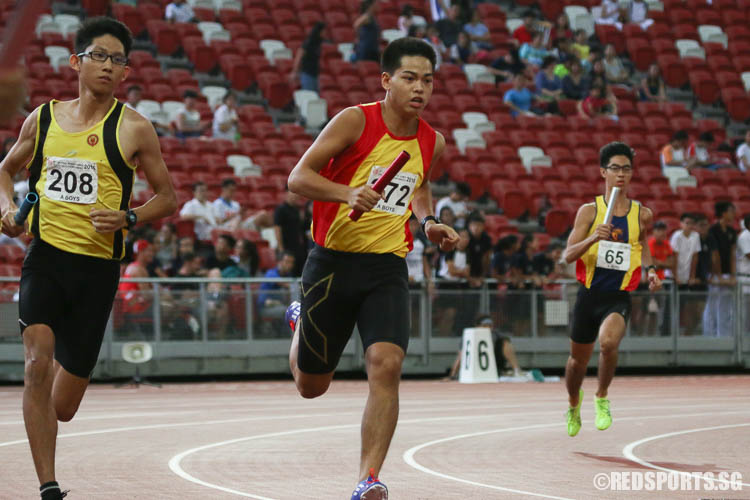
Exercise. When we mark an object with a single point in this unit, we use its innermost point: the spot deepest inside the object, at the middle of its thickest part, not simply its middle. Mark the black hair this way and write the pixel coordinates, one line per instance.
(407, 10)
(660, 224)
(700, 216)
(229, 239)
(287, 253)
(190, 93)
(406, 46)
(680, 135)
(8, 142)
(446, 208)
(481, 318)
(188, 257)
(134, 87)
(366, 4)
(529, 13)
(475, 216)
(463, 189)
(547, 61)
(614, 149)
(687, 215)
(95, 27)
(198, 184)
(746, 220)
(315, 35)
(507, 242)
(227, 96)
(706, 137)
(228, 182)
(555, 245)
(721, 207)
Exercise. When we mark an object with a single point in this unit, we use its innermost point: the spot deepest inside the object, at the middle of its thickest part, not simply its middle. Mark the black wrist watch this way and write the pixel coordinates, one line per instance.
(429, 218)
(130, 219)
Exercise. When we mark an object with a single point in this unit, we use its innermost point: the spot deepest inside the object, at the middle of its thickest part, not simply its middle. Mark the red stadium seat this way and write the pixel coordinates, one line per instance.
(609, 34)
(164, 35)
(641, 53)
(130, 17)
(673, 70)
(557, 222)
(737, 103)
(704, 87)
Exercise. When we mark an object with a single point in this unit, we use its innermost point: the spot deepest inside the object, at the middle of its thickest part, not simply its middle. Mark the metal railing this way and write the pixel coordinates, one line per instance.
(203, 326)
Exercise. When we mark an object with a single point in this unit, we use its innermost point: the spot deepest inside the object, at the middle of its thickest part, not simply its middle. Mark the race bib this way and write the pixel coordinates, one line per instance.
(397, 194)
(71, 180)
(613, 255)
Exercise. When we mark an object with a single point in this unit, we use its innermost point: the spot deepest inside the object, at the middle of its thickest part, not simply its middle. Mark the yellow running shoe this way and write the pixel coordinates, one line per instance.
(603, 416)
(574, 416)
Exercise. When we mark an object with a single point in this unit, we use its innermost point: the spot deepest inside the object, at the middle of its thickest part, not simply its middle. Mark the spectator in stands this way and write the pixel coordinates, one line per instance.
(446, 216)
(699, 153)
(743, 267)
(306, 66)
(246, 261)
(610, 14)
(580, 46)
(478, 31)
(222, 257)
(743, 154)
(504, 250)
(519, 98)
(456, 201)
(561, 50)
(614, 69)
(674, 154)
(534, 53)
(453, 270)
(133, 96)
(703, 267)
(188, 121)
(439, 9)
(718, 317)
(179, 11)
(201, 212)
(549, 85)
(686, 244)
(524, 33)
(478, 251)
(652, 86)
(417, 264)
(547, 264)
(367, 46)
(433, 38)
(289, 225)
(463, 50)
(600, 102)
(561, 29)
(449, 27)
(661, 251)
(406, 19)
(273, 297)
(506, 67)
(187, 299)
(166, 242)
(637, 13)
(185, 246)
(226, 121)
(598, 73)
(575, 85)
(522, 270)
(226, 208)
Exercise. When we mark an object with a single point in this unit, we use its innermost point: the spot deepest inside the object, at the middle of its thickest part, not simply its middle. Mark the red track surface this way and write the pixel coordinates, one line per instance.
(261, 440)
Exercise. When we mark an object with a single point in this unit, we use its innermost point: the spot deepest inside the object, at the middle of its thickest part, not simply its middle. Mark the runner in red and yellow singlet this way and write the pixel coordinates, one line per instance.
(356, 274)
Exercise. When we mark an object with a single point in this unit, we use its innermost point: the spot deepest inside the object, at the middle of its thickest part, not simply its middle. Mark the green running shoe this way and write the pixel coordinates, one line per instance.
(574, 417)
(603, 416)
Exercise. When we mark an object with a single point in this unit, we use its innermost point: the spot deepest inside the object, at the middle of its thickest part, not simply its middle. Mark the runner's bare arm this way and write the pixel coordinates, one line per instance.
(578, 243)
(305, 180)
(18, 157)
(148, 154)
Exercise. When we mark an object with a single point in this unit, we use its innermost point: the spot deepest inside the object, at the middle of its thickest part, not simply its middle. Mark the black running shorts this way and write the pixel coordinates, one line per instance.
(592, 308)
(73, 295)
(341, 289)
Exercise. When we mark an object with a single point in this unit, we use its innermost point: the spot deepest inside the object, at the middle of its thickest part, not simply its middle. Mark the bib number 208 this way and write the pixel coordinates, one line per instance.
(70, 183)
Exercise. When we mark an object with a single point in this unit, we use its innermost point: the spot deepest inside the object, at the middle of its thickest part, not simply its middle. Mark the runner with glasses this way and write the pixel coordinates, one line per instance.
(609, 259)
(82, 156)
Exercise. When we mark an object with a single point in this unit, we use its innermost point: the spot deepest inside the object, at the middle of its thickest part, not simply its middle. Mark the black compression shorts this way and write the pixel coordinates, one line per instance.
(592, 308)
(341, 289)
(73, 295)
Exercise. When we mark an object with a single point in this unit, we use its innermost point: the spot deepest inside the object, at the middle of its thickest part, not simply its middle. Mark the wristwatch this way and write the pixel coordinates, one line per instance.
(130, 219)
(429, 218)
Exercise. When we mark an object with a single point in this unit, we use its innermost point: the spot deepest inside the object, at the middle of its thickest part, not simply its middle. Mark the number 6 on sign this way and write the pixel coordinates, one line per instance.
(477, 357)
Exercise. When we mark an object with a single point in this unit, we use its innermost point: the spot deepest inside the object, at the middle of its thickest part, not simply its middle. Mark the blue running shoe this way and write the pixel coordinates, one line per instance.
(292, 314)
(370, 489)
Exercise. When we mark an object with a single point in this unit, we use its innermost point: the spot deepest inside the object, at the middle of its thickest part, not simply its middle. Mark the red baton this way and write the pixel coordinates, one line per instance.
(387, 177)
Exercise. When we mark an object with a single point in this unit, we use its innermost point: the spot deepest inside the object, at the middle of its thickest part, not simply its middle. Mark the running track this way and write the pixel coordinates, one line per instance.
(260, 440)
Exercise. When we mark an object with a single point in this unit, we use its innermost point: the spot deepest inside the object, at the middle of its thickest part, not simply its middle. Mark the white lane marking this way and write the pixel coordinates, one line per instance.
(408, 455)
(627, 451)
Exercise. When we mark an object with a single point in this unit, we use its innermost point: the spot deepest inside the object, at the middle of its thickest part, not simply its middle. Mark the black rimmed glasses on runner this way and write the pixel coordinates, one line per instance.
(100, 56)
(616, 169)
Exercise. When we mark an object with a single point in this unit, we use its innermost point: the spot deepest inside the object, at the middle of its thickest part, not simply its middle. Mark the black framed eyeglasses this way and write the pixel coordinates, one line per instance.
(97, 56)
(625, 169)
